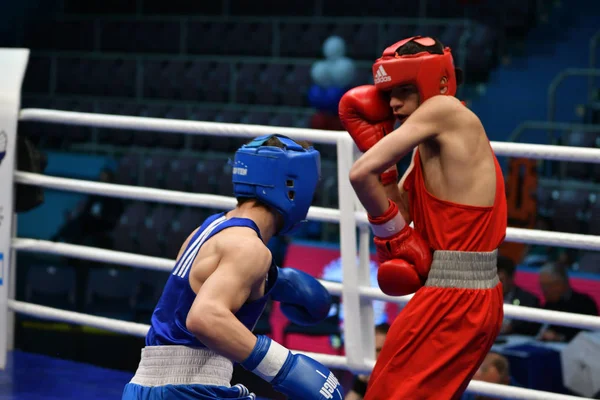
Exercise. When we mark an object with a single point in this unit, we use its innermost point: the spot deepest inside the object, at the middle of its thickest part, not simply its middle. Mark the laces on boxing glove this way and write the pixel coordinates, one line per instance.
(388, 224)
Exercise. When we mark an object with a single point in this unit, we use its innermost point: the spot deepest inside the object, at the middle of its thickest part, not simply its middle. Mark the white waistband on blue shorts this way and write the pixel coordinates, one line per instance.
(181, 365)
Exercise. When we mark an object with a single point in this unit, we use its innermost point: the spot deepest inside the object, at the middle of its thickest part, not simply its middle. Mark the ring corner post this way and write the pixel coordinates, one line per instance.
(12, 71)
(353, 330)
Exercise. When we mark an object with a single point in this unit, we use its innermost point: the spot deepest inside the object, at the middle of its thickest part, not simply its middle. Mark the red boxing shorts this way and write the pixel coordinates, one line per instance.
(439, 340)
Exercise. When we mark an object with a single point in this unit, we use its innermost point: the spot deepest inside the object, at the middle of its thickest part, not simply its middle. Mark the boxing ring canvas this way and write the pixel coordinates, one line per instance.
(354, 234)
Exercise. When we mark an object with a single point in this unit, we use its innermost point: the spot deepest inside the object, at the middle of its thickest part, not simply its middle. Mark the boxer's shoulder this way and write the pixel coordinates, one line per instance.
(241, 240)
(447, 109)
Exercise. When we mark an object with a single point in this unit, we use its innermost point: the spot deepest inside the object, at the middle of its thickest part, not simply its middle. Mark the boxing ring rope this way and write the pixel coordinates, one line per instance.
(358, 310)
(340, 362)
(368, 292)
(358, 218)
(533, 151)
(322, 214)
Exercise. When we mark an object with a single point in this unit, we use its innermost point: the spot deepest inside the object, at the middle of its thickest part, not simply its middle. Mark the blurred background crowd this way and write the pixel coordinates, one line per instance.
(288, 64)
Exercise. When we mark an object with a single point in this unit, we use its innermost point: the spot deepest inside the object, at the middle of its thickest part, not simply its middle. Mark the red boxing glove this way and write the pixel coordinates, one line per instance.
(366, 114)
(405, 258)
(398, 278)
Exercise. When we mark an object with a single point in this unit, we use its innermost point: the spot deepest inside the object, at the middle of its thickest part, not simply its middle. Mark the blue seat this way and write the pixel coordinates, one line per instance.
(295, 86)
(125, 232)
(179, 173)
(152, 230)
(52, 286)
(162, 78)
(246, 83)
(140, 36)
(217, 82)
(302, 39)
(210, 34)
(115, 77)
(128, 169)
(153, 168)
(257, 39)
(204, 178)
(111, 292)
(270, 79)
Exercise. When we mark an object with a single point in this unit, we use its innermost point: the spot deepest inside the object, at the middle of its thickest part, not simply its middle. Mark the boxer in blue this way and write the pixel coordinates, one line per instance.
(222, 279)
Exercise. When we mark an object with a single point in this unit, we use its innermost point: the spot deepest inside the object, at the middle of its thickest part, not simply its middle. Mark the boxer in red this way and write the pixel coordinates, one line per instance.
(454, 194)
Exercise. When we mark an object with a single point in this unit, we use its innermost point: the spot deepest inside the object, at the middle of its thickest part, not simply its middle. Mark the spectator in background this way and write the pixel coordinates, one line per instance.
(359, 386)
(333, 272)
(517, 296)
(494, 369)
(559, 295)
(92, 222)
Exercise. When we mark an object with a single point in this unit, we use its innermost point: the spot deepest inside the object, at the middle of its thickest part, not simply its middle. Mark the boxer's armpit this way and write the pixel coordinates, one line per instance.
(401, 195)
(403, 206)
(398, 195)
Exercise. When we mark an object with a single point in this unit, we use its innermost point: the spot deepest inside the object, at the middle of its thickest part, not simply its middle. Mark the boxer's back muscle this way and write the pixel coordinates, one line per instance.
(209, 255)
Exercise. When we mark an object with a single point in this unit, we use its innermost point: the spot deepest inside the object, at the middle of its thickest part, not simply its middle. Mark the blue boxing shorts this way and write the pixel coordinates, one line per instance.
(179, 372)
(185, 392)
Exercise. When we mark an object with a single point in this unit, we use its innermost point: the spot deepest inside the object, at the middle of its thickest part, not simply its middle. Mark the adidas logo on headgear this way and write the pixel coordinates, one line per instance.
(381, 75)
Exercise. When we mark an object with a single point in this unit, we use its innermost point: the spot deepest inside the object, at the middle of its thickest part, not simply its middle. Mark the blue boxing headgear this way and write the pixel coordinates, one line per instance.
(283, 178)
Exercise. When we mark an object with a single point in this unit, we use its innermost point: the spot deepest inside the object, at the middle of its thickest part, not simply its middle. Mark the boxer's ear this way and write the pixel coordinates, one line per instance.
(444, 84)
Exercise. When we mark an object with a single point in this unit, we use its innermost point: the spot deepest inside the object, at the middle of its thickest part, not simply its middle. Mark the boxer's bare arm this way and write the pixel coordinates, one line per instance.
(431, 118)
(211, 318)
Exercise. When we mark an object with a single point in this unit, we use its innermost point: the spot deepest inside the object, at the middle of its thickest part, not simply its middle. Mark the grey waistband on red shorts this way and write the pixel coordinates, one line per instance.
(181, 365)
(461, 269)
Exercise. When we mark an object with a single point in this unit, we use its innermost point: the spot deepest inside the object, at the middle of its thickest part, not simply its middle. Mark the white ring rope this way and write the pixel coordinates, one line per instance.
(152, 194)
(533, 151)
(332, 361)
(531, 236)
(164, 264)
(557, 153)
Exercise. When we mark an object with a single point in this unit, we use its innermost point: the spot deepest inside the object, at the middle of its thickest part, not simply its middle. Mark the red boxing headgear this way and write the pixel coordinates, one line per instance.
(424, 70)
